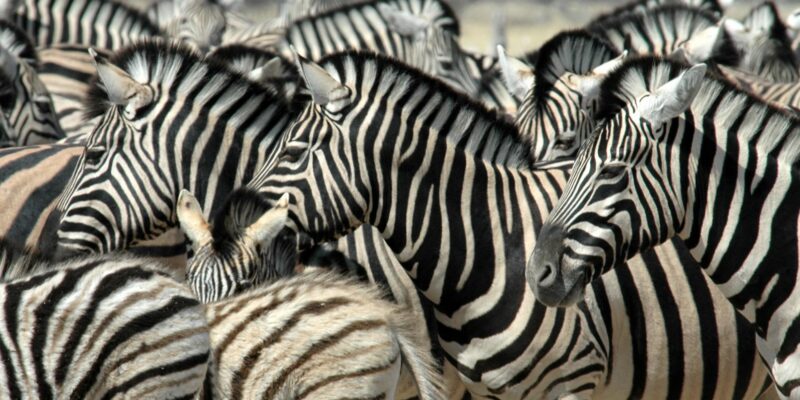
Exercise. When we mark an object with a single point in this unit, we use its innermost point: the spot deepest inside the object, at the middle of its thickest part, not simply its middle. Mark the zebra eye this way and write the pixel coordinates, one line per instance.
(94, 154)
(611, 172)
(563, 143)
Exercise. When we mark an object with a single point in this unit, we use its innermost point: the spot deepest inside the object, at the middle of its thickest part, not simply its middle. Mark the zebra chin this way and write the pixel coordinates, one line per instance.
(554, 283)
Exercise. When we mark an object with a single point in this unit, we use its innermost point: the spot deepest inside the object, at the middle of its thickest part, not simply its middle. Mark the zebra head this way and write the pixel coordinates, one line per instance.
(202, 24)
(25, 101)
(623, 195)
(311, 162)
(557, 114)
(238, 252)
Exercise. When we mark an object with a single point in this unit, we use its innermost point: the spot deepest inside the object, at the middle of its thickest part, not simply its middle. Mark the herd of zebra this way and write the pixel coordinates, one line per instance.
(344, 203)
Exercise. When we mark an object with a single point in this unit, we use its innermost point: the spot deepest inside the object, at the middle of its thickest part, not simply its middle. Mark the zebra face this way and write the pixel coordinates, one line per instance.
(558, 123)
(621, 198)
(202, 25)
(231, 257)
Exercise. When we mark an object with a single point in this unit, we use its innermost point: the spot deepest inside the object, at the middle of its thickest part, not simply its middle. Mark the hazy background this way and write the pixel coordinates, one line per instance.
(529, 22)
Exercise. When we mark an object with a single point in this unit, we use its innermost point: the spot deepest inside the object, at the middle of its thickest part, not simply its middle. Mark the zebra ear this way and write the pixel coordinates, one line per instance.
(674, 97)
(9, 63)
(517, 75)
(403, 22)
(192, 221)
(267, 227)
(119, 86)
(325, 89)
(701, 46)
(610, 65)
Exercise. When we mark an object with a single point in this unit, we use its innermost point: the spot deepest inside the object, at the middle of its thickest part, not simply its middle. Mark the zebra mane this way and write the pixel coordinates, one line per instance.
(18, 43)
(18, 263)
(577, 52)
(447, 12)
(162, 64)
(644, 74)
(245, 58)
(493, 137)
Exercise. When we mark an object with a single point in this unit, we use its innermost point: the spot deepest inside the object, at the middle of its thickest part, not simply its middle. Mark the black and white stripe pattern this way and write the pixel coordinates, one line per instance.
(100, 327)
(683, 154)
(208, 137)
(360, 360)
(99, 23)
(24, 100)
(464, 168)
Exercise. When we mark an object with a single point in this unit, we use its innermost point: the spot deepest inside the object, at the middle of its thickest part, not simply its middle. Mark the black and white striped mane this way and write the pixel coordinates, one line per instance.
(497, 140)
(641, 75)
(18, 43)
(633, 7)
(447, 13)
(245, 58)
(576, 52)
(162, 64)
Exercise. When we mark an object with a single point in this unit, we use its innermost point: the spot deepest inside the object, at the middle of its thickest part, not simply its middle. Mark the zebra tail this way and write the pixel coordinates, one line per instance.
(417, 357)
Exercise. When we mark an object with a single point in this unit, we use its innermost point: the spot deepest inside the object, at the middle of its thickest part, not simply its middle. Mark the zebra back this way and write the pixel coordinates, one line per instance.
(101, 327)
(643, 6)
(97, 23)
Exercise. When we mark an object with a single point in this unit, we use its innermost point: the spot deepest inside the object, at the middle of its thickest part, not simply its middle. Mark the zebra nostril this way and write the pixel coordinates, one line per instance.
(546, 276)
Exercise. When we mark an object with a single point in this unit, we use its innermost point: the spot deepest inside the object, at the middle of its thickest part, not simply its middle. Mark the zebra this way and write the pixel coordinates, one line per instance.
(557, 114)
(706, 135)
(503, 343)
(643, 6)
(770, 52)
(81, 229)
(66, 71)
(24, 100)
(364, 356)
(98, 327)
(259, 65)
(378, 25)
(98, 23)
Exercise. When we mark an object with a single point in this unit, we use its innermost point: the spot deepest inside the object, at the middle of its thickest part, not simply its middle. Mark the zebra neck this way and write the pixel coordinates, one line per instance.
(740, 224)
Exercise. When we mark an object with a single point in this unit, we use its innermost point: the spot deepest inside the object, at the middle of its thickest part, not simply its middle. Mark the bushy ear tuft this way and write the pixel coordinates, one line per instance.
(119, 86)
(192, 221)
(517, 75)
(267, 227)
(325, 89)
(674, 97)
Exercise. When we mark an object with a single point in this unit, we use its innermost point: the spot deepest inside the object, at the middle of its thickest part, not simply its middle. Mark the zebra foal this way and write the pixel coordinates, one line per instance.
(99, 327)
(327, 337)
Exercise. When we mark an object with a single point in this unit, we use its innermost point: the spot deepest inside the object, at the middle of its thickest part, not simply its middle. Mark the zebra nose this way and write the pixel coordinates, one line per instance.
(543, 269)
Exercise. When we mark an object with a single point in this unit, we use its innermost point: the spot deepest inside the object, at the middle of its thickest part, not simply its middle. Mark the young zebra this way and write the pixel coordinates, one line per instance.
(99, 327)
(683, 154)
(327, 336)
(24, 100)
(448, 186)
